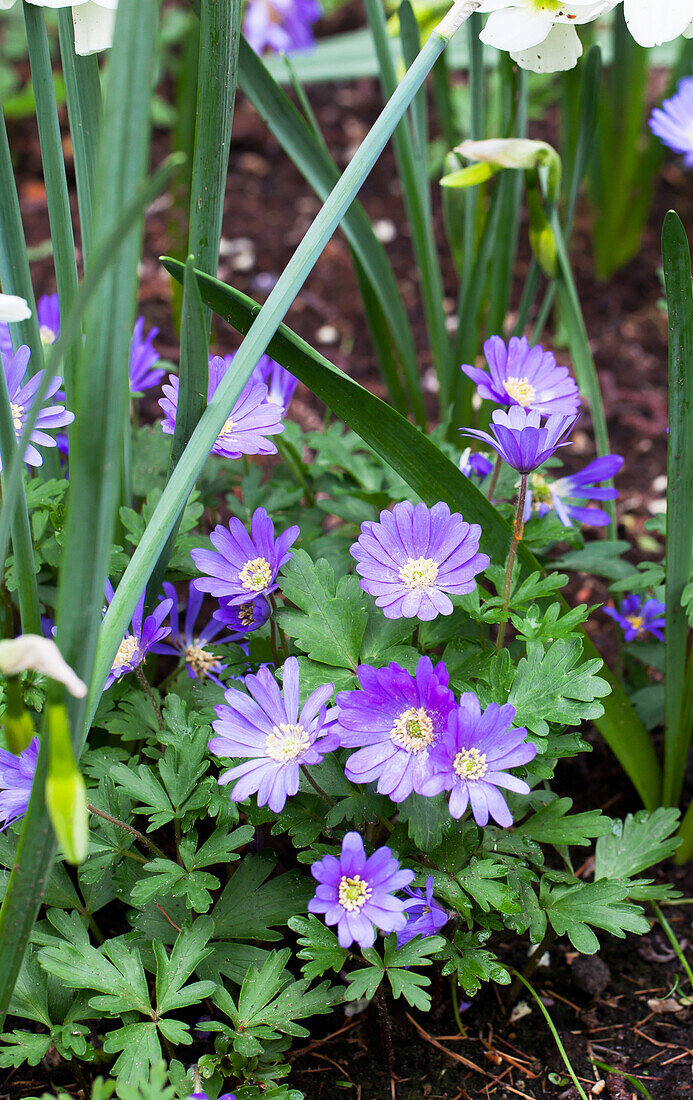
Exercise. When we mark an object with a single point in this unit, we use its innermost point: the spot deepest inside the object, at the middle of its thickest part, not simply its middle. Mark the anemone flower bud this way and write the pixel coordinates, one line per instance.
(13, 308)
(32, 651)
(66, 797)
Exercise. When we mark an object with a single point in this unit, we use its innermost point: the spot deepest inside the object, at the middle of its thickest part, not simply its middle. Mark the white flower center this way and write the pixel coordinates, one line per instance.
(47, 335)
(353, 893)
(521, 390)
(126, 651)
(635, 621)
(419, 573)
(200, 661)
(470, 764)
(413, 730)
(16, 411)
(256, 574)
(286, 743)
(226, 430)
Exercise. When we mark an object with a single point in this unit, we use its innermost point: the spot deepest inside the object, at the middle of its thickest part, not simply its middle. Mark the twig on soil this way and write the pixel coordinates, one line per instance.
(320, 1042)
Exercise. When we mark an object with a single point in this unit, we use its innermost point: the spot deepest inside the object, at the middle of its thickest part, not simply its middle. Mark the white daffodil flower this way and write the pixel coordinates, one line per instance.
(32, 651)
(540, 35)
(651, 23)
(13, 308)
(93, 20)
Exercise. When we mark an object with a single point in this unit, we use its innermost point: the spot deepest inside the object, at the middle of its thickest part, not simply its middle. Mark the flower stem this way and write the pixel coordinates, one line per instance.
(518, 528)
(316, 786)
(150, 695)
(494, 478)
(128, 829)
(282, 636)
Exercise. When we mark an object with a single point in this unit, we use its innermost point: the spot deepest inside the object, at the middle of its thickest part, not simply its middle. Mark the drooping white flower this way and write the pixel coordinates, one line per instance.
(652, 23)
(32, 651)
(540, 35)
(93, 20)
(13, 308)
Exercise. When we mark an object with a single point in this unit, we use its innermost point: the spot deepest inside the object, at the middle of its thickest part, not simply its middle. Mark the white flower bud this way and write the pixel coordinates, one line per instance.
(32, 651)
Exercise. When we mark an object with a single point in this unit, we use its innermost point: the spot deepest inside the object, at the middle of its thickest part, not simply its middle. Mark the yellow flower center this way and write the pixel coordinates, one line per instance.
(16, 411)
(470, 764)
(286, 743)
(226, 430)
(126, 651)
(256, 574)
(521, 390)
(635, 621)
(413, 730)
(541, 493)
(47, 335)
(353, 893)
(200, 661)
(419, 573)
(246, 615)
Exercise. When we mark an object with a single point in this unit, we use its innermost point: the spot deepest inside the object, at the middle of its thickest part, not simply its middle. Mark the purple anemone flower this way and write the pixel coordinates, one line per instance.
(543, 495)
(192, 644)
(280, 26)
(250, 420)
(16, 777)
(472, 756)
(243, 566)
(275, 739)
(425, 917)
(394, 722)
(281, 385)
(414, 556)
(22, 398)
(48, 317)
(143, 356)
(143, 635)
(672, 123)
(243, 618)
(637, 619)
(204, 1096)
(519, 438)
(357, 894)
(525, 376)
(475, 464)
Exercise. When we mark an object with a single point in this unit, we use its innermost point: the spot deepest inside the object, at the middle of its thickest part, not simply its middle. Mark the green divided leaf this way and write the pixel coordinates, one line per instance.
(553, 824)
(471, 964)
(641, 841)
(319, 946)
(572, 909)
(551, 685)
(330, 624)
(250, 906)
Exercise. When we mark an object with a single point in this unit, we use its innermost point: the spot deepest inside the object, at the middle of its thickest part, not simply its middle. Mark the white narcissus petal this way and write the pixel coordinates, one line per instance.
(652, 23)
(32, 651)
(559, 51)
(12, 307)
(515, 29)
(94, 25)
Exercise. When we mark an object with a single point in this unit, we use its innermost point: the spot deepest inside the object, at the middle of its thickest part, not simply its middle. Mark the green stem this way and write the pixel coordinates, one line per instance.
(518, 529)
(494, 477)
(58, 199)
(128, 829)
(316, 786)
(556, 1036)
(671, 936)
(150, 695)
(83, 95)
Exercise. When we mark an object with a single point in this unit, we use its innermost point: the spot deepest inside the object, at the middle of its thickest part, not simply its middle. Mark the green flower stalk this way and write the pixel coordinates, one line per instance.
(17, 723)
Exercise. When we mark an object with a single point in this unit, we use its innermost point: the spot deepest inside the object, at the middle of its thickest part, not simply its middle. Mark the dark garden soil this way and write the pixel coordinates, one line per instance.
(616, 1007)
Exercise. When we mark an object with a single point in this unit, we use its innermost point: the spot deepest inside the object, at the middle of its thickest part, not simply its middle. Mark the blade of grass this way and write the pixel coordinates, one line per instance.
(58, 200)
(434, 477)
(259, 336)
(418, 121)
(72, 325)
(83, 94)
(417, 206)
(315, 164)
(101, 387)
(632, 1081)
(677, 277)
(556, 1037)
